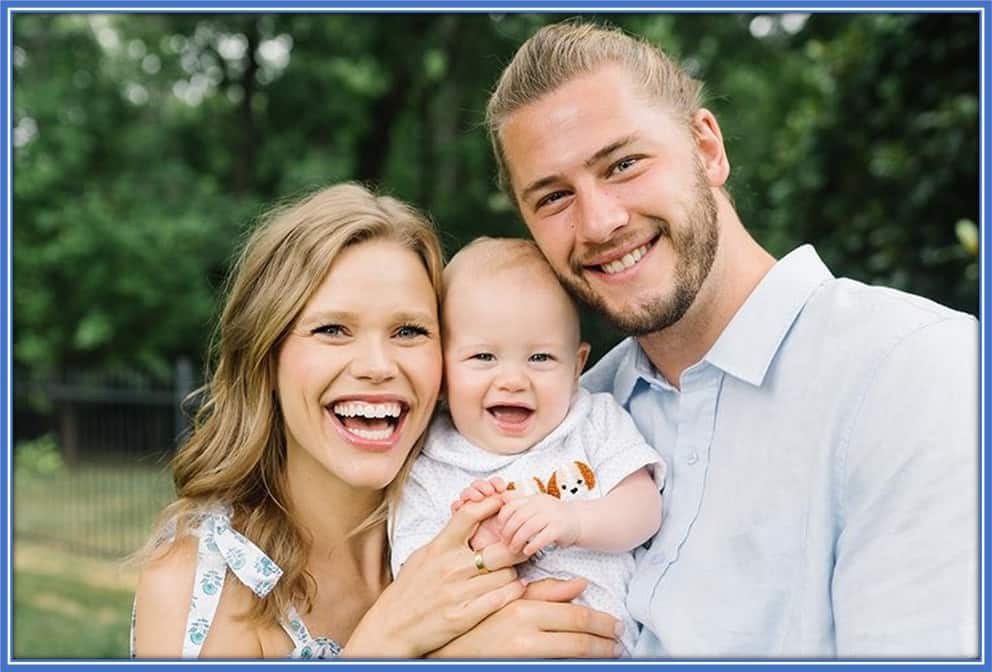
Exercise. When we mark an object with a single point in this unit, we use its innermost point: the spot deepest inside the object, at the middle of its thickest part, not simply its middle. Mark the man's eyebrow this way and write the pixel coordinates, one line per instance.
(541, 183)
(609, 149)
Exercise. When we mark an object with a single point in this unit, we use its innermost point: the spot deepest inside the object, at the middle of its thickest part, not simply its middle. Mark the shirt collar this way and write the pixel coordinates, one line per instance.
(634, 365)
(750, 342)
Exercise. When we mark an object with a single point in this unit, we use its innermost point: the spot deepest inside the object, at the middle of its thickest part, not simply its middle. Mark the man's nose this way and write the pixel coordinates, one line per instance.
(373, 361)
(599, 213)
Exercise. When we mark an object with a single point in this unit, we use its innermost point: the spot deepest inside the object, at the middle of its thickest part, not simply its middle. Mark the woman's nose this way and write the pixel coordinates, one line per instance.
(374, 362)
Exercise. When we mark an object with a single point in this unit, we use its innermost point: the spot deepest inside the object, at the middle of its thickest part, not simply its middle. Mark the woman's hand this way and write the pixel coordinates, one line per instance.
(541, 625)
(440, 593)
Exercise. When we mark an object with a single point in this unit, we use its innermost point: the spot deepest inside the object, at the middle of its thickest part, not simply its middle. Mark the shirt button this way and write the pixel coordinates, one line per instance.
(693, 458)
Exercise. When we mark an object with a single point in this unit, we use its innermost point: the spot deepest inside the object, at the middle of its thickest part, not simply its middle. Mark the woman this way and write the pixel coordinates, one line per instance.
(328, 367)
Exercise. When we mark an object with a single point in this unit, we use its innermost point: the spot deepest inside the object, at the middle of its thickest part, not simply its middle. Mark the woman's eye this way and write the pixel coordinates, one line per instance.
(412, 331)
(329, 330)
(484, 357)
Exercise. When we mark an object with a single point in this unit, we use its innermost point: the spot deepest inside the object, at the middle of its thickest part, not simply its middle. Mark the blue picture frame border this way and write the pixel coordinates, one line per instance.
(8, 8)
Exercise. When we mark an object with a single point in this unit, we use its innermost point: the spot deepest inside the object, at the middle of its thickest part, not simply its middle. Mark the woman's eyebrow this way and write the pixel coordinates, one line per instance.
(325, 316)
(329, 316)
(416, 316)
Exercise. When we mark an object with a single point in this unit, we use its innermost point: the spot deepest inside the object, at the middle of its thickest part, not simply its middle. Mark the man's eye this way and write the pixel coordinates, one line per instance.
(412, 331)
(622, 165)
(551, 198)
(541, 357)
(484, 357)
(329, 330)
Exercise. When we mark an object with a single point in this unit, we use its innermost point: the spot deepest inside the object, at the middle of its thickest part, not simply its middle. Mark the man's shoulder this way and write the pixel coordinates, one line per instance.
(869, 313)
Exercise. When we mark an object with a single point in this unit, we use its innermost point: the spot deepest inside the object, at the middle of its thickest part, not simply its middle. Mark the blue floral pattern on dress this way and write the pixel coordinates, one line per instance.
(211, 582)
(266, 567)
(220, 549)
(197, 631)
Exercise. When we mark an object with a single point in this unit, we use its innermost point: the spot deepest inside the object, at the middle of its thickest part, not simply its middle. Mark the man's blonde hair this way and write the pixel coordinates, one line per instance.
(558, 53)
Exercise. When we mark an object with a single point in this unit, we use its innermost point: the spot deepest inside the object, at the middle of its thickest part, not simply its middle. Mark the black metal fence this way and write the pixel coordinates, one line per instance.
(91, 454)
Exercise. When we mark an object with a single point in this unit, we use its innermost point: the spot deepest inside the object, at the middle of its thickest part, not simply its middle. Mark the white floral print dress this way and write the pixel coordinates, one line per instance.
(222, 549)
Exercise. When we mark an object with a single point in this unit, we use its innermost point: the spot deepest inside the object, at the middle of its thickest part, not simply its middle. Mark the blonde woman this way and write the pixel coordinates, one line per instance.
(327, 370)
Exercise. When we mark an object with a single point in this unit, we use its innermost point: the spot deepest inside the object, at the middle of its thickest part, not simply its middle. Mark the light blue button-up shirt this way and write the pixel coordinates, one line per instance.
(822, 493)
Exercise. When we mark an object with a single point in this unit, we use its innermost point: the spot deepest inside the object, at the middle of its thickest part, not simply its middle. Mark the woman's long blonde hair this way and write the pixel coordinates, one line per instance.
(236, 452)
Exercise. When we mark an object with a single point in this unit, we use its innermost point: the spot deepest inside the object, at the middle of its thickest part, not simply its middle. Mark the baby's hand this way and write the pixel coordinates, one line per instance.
(533, 522)
(478, 491)
(486, 534)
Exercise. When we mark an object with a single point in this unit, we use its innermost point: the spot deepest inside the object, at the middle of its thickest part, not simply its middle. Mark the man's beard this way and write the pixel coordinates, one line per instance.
(694, 246)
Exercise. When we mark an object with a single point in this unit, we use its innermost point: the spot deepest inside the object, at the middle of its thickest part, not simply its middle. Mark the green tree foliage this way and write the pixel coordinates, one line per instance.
(145, 144)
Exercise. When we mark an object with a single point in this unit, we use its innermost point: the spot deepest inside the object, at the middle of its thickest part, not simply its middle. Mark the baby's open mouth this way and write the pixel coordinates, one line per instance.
(510, 415)
(367, 420)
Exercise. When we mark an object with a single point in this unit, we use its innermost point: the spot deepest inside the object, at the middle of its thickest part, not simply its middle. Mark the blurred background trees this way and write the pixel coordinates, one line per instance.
(145, 144)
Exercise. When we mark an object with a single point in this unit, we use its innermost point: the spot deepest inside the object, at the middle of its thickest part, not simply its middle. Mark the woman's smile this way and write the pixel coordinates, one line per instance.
(372, 422)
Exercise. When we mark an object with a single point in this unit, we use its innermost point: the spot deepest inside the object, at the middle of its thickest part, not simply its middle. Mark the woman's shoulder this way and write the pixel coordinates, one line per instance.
(173, 589)
(162, 598)
(163, 604)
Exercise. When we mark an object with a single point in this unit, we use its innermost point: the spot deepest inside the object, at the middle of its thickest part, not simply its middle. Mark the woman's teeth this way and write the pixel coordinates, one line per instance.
(371, 434)
(369, 421)
(626, 261)
(350, 409)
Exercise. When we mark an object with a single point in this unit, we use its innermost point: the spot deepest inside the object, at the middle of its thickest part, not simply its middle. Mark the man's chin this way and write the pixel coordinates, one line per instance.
(637, 319)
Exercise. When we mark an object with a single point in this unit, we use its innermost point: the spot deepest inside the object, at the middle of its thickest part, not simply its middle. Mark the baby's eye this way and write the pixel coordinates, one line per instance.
(541, 357)
(484, 357)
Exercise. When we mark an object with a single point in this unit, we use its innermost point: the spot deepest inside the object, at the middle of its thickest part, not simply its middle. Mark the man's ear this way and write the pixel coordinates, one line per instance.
(709, 144)
(580, 359)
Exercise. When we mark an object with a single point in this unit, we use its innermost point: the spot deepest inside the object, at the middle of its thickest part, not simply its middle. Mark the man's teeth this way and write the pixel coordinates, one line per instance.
(626, 261)
(351, 409)
(371, 434)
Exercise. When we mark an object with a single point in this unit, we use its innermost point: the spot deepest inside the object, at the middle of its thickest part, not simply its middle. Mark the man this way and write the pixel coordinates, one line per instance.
(821, 435)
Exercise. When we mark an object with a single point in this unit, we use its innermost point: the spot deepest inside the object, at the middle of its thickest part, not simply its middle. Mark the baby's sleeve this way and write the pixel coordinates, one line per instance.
(617, 448)
(417, 517)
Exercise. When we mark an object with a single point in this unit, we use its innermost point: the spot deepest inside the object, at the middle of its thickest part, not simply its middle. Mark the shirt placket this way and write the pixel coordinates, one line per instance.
(688, 466)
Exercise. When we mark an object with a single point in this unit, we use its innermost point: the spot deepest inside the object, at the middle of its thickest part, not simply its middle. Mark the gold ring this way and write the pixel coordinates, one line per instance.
(480, 563)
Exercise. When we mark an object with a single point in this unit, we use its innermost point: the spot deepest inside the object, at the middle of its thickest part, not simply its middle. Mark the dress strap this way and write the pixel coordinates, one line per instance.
(218, 550)
(295, 628)
(306, 646)
(210, 573)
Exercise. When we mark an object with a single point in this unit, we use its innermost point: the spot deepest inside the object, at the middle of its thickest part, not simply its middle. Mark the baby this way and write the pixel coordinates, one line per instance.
(571, 467)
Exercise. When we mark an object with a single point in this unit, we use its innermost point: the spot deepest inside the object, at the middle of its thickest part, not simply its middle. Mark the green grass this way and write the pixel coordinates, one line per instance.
(72, 528)
(68, 605)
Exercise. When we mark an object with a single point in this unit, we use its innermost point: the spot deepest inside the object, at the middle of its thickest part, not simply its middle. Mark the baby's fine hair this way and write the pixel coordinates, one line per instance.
(489, 256)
